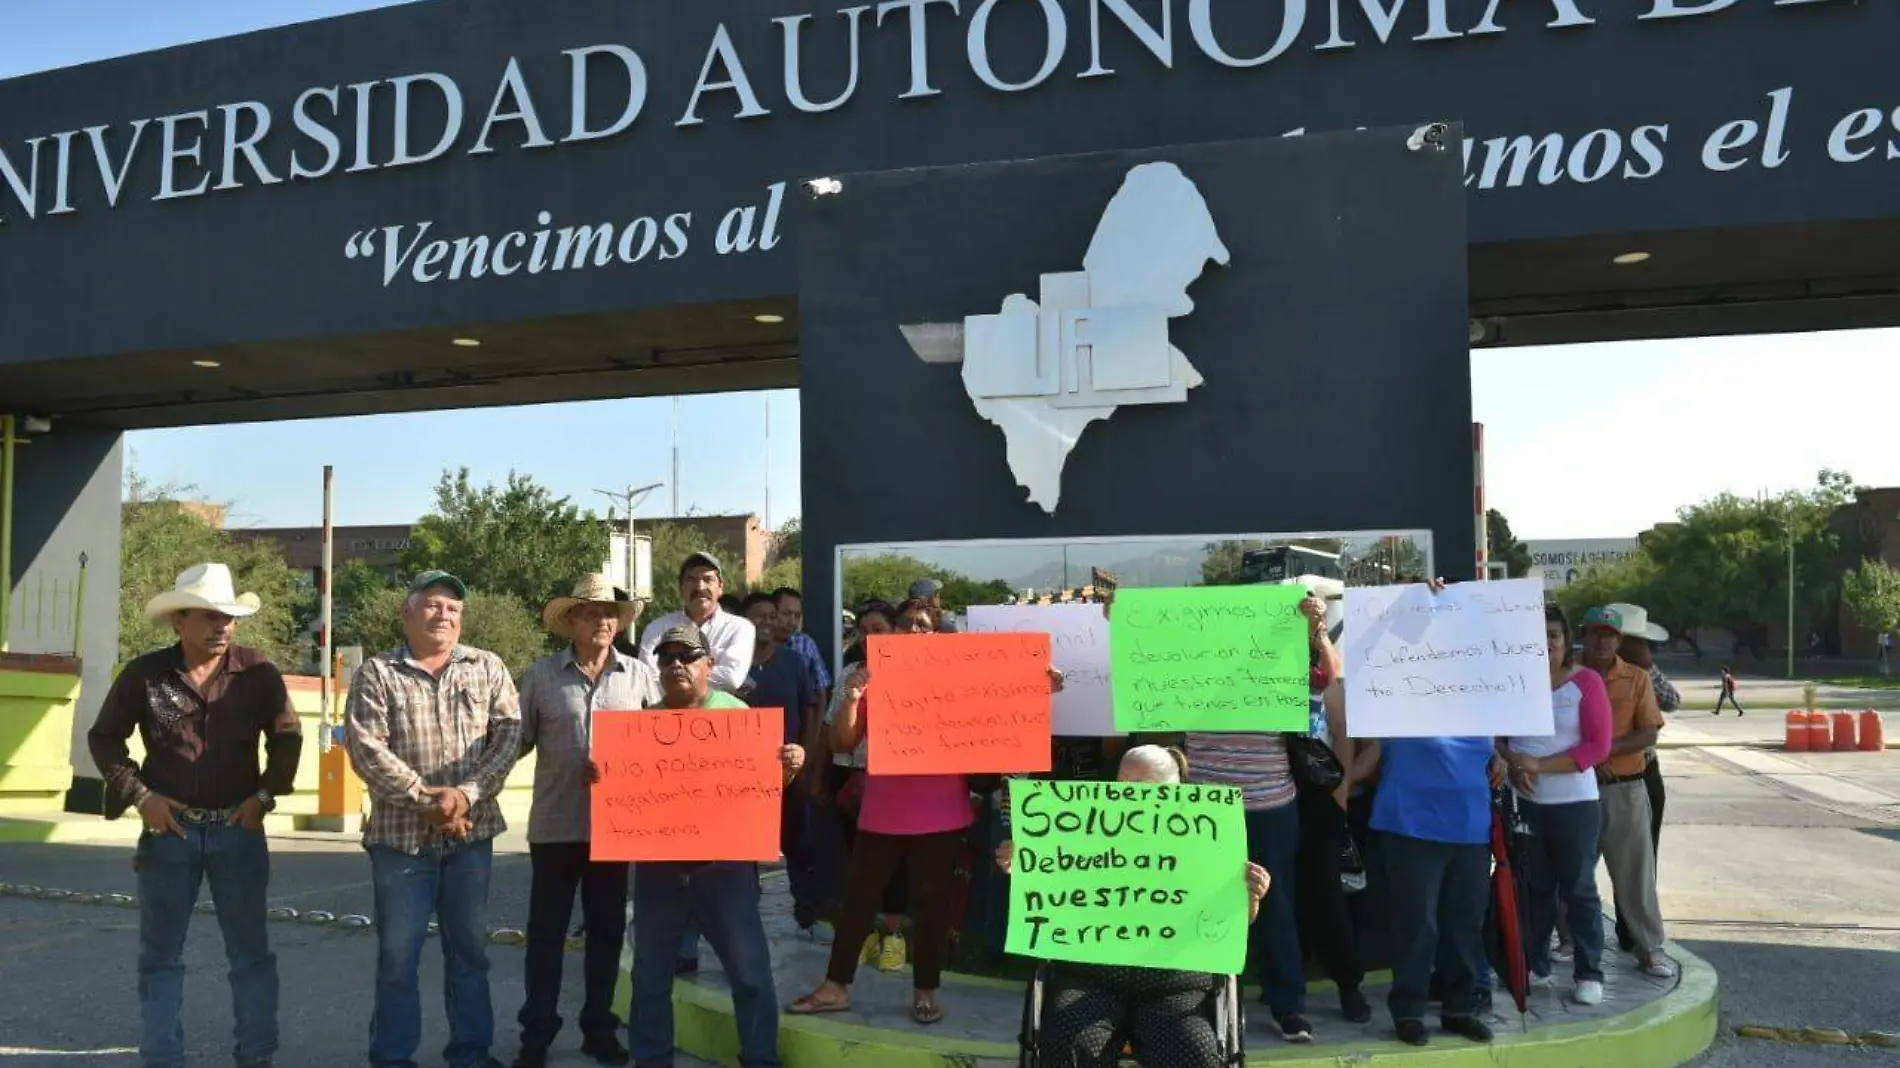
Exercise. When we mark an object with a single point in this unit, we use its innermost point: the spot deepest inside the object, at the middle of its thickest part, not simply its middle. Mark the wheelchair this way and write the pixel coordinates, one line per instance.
(1222, 1007)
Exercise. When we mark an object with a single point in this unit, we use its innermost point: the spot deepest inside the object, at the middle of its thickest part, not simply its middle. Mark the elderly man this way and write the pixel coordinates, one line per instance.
(433, 730)
(200, 706)
(559, 696)
(1639, 648)
(723, 896)
(1636, 720)
(728, 636)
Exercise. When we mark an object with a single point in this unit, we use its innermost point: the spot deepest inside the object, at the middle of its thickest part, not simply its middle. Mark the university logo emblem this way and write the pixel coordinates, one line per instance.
(1043, 370)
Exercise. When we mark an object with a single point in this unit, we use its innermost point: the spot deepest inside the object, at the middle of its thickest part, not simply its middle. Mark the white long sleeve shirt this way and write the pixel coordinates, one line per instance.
(729, 637)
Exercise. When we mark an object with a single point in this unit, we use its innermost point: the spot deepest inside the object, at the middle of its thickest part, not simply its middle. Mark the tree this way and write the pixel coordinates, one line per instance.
(887, 577)
(498, 622)
(1871, 593)
(1501, 545)
(518, 539)
(788, 542)
(1724, 563)
(789, 571)
(161, 539)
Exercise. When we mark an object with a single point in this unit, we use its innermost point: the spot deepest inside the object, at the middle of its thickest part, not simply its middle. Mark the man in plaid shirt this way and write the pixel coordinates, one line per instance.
(434, 727)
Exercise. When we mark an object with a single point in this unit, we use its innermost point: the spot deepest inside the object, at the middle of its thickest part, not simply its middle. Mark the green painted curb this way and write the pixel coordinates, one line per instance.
(1663, 1033)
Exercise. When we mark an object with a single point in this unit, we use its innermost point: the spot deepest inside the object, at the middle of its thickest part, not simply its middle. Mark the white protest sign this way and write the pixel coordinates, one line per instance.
(1468, 661)
(1078, 637)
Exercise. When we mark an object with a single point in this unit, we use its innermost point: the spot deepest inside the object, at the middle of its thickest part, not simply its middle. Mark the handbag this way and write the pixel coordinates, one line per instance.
(1315, 765)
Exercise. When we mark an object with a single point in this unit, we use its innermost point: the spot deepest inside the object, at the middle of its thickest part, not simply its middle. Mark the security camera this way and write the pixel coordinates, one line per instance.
(823, 187)
(1431, 134)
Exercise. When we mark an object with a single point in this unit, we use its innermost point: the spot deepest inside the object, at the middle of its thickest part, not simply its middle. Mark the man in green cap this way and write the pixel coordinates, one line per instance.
(434, 727)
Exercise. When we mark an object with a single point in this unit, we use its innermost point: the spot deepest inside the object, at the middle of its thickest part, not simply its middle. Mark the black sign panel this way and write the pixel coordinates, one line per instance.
(428, 164)
(1331, 348)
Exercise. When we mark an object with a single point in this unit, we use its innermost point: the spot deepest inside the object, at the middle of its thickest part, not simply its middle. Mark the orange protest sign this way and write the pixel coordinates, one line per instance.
(958, 703)
(689, 784)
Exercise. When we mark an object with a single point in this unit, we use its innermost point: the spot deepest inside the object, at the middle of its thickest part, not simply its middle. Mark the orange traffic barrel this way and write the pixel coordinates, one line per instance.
(1820, 736)
(1873, 734)
(1797, 739)
(1845, 740)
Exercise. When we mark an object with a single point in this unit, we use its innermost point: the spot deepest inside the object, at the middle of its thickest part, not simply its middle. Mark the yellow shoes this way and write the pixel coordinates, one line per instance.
(894, 955)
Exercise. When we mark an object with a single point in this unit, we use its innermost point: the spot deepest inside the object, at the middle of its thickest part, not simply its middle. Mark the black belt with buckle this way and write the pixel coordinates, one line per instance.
(206, 815)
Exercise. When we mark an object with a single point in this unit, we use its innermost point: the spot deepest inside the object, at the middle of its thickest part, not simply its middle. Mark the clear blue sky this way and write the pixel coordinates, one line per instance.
(1583, 441)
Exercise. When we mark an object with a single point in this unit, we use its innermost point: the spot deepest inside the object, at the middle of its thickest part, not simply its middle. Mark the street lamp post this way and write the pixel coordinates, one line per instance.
(632, 496)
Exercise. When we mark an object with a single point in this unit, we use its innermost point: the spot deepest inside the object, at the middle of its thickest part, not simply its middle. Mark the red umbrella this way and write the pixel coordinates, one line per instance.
(1504, 899)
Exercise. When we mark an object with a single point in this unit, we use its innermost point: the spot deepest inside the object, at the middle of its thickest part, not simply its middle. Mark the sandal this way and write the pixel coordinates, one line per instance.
(926, 1012)
(812, 1005)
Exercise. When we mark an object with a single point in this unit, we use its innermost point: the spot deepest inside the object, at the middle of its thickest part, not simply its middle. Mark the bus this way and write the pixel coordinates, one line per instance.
(1283, 562)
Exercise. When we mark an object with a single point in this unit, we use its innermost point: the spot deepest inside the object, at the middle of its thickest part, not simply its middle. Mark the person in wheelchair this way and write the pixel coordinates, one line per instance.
(1090, 1010)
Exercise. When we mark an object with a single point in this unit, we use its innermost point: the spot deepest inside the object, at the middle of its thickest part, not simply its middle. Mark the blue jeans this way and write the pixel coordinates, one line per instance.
(1273, 842)
(449, 883)
(724, 898)
(237, 864)
(1560, 864)
(1439, 891)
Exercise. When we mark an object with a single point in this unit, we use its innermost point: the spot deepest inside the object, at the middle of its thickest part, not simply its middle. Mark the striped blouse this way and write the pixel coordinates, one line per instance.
(1256, 763)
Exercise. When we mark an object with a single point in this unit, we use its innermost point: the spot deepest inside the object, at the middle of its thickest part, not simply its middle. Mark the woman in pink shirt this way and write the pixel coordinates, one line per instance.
(1557, 796)
(921, 819)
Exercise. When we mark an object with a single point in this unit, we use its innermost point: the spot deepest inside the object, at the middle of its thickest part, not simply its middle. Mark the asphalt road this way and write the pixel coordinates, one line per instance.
(1766, 872)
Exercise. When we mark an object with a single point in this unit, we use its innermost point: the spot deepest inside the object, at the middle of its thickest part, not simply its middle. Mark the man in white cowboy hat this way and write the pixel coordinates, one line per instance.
(559, 696)
(1639, 648)
(1635, 721)
(433, 728)
(201, 706)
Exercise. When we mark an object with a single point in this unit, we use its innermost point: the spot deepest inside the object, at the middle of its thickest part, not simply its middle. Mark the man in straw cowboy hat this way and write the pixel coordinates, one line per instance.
(559, 695)
(433, 730)
(201, 706)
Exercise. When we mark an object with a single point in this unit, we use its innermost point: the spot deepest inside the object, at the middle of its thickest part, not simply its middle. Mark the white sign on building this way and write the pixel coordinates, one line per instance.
(1563, 562)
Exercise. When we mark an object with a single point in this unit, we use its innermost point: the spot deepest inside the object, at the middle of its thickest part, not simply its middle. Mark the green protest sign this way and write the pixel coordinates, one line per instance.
(1209, 658)
(1129, 873)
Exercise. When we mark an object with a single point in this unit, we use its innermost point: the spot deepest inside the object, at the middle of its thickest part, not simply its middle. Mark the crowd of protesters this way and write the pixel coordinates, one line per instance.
(879, 866)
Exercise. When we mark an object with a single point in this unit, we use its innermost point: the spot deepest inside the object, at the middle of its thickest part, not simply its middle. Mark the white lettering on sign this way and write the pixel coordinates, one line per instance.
(228, 146)
(1468, 661)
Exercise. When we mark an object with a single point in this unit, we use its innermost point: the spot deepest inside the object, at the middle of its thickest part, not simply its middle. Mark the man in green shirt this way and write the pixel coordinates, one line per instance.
(721, 896)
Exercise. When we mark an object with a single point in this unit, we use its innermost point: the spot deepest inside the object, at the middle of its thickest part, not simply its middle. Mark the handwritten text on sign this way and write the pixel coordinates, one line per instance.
(1210, 658)
(696, 784)
(1078, 636)
(1129, 873)
(1466, 662)
(958, 703)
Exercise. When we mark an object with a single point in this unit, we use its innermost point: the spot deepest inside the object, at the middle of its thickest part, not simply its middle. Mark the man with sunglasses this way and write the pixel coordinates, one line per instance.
(721, 896)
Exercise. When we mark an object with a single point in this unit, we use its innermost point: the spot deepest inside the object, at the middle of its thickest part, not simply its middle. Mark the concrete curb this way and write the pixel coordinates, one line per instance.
(1664, 1033)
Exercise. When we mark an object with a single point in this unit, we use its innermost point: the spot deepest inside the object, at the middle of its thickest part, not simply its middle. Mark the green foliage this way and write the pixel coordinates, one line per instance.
(672, 544)
(1871, 593)
(1724, 563)
(498, 622)
(161, 539)
(789, 571)
(355, 580)
(887, 577)
(518, 539)
(1502, 545)
(788, 542)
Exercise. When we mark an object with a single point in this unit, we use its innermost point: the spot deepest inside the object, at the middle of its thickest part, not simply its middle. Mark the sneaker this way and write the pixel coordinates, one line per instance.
(1412, 1033)
(1466, 1027)
(1563, 951)
(1589, 992)
(894, 955)
(1293, 1027)
(1541, 982)
(1353, 1004)
(1658, 966)
(873, 946)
